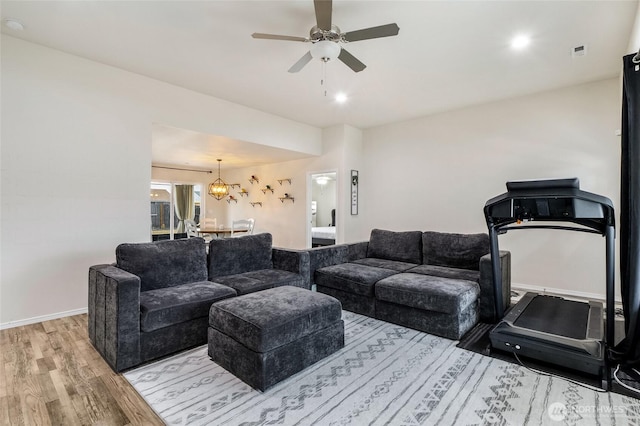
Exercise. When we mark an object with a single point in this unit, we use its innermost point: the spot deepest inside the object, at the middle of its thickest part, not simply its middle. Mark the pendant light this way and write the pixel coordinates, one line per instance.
(218, 189)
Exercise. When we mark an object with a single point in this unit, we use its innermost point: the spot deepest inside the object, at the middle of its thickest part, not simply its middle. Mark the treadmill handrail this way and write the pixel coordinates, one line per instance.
(504, 228)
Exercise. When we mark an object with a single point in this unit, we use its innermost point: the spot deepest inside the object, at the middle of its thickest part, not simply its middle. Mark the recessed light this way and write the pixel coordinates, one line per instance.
(12, 24)
(519, 42)
(341, 98)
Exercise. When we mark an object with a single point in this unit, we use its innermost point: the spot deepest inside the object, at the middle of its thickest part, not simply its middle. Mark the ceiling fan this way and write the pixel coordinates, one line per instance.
(325, 38)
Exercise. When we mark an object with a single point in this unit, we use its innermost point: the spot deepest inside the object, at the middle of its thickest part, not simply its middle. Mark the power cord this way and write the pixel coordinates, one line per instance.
(584, 385)
(615, 377)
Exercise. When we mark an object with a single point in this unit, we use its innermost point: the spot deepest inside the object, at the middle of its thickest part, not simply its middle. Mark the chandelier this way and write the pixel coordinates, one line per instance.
(218, 189)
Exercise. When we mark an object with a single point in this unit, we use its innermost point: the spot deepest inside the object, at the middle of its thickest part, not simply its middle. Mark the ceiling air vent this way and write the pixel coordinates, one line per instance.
(579, 51)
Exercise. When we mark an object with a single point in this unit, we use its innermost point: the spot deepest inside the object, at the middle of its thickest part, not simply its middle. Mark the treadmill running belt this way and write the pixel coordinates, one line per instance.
(556, 316)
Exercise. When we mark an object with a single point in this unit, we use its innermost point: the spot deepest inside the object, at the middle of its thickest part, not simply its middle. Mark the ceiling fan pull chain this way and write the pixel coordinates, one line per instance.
(324, 77)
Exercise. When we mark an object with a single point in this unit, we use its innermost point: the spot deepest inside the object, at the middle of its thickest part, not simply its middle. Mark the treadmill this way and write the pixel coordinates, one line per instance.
(551, 329)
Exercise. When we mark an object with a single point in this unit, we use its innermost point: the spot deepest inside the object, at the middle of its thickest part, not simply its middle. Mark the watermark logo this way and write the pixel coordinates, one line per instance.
(557, 411)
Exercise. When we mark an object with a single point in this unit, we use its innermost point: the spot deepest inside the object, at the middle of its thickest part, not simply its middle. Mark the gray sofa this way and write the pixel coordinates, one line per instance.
(155, 299)
(436, 282)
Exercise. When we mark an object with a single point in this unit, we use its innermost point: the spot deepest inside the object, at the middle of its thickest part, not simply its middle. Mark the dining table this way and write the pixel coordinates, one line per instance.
(220, 232)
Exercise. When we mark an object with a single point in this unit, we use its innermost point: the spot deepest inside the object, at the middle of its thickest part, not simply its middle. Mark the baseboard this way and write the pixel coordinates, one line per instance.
(562, 292)
(42, 318)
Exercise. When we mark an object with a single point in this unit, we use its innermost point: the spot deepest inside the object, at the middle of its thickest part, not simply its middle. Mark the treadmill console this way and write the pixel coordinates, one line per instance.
(542, 208)
(558, 200)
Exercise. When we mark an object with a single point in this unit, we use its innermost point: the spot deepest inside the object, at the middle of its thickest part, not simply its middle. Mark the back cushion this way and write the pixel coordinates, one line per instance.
(230, 256)
(400, 246)
(164, 263)
(455, 250)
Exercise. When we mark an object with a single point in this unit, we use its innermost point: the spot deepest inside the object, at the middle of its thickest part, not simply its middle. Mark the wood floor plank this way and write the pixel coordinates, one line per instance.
(14, 407)
(4, 408)
(50, 373)
(33, 407)
(128, 401)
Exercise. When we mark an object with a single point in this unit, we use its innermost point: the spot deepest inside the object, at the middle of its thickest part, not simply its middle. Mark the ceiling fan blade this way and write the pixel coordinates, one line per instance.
(323, 13)
(278, 37)
(351, 61)
(373, 32)
(301, 63)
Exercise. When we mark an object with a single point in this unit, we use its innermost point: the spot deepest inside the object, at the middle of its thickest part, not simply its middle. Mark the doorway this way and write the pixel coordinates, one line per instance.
(322, 224)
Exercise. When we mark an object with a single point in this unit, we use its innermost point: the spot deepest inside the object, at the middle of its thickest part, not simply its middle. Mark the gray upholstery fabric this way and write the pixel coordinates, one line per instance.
(296, 261)
(351, 277)
(229, 256)
(456, 250)
(263, 279)
(114, 315)
(357, 251)
(364, 305)
(446, 272)
(133, 319)
(428, 293)
(394, 265)
(164, 263)
(487, 304)
(263, 370)
(320, 257)
(447, 260)
(437, 323)
(402, 246)
(269, 319)
(167, 340)
(172, 305)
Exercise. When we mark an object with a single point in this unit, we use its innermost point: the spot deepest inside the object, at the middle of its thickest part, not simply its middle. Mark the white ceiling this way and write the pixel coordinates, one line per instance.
(188, 149)
(448, 54)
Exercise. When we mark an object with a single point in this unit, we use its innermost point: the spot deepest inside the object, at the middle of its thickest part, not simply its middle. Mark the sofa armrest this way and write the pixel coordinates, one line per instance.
(357, 250)
(114, 315)
(296, 261)
(319, 257)
(487, 300)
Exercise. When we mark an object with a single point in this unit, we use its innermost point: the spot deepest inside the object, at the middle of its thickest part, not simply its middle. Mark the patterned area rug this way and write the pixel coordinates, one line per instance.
(385, 375)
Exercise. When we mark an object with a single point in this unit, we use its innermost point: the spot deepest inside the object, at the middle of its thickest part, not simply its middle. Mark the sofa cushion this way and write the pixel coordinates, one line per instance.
(455, 250)
(172, 305)
(163, 264)
(446, 272)
(351, 277)
(428, 292)
(394, 265)
(272, 318)
(263, 279)
(230, 256)
(392, 245)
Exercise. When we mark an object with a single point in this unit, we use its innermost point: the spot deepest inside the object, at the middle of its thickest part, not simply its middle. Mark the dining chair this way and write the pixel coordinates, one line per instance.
(191, 228)
(241, 225)
(207, 223)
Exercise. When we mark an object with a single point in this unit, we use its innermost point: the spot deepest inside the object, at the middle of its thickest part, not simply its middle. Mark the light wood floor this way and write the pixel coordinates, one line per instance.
(50, 374)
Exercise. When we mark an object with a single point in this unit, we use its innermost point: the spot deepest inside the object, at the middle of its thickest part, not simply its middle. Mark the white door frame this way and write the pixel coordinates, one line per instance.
(310, 198)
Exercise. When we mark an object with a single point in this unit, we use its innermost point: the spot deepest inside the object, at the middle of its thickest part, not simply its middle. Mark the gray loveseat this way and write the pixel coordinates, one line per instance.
(436, 282)
(155, 299)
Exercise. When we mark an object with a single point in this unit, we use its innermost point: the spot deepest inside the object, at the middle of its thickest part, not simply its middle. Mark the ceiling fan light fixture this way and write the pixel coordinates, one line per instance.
(322, 180)
(325, 50)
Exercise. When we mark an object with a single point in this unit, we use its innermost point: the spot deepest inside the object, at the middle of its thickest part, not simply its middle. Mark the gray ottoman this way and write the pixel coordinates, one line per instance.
(267, 336)
(445, 307)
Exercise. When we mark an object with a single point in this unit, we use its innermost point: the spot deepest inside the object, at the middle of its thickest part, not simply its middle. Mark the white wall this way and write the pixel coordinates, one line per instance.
(437, 172)
(76, 167)
(287, 221)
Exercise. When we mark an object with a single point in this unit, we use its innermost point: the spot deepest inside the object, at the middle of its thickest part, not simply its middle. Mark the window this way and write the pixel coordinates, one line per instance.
(171, 204)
